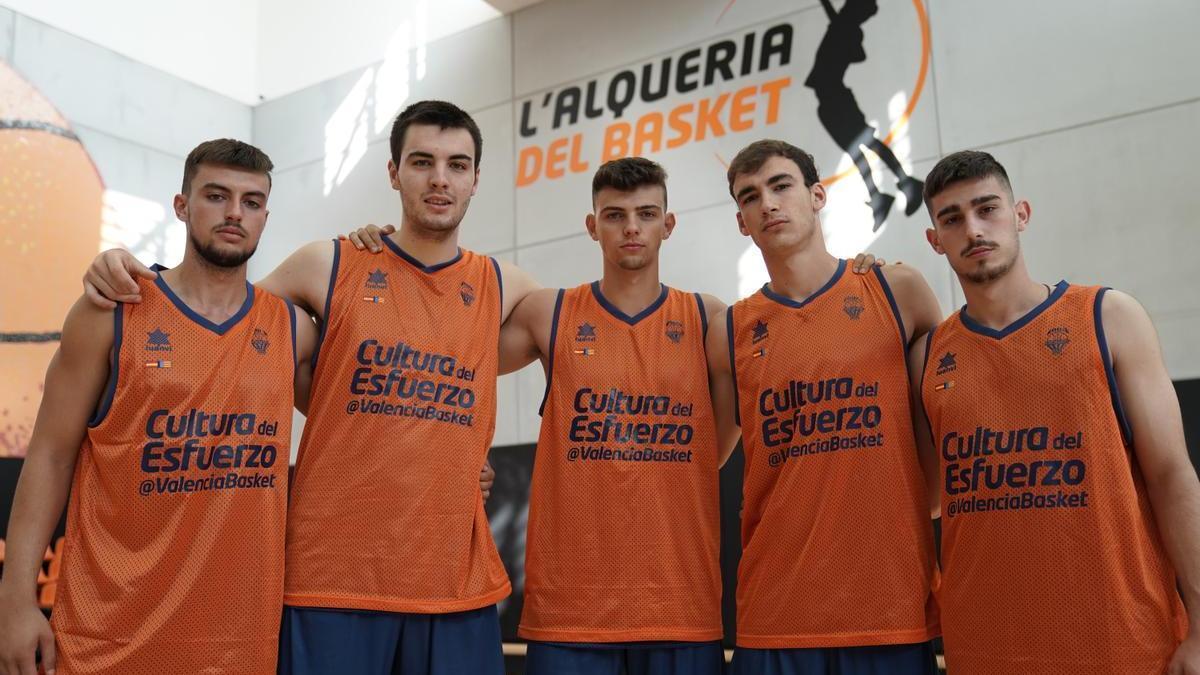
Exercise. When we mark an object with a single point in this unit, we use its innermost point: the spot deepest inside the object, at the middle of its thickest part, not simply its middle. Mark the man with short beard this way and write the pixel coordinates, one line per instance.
(1069, 505)
(391, 567)
(174, 416)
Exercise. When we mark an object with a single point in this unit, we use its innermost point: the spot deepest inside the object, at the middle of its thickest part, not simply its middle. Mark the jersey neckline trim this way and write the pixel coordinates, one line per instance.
(428, 269)
(196, 317)
(788, 302)
(631, 320)
(975, 327)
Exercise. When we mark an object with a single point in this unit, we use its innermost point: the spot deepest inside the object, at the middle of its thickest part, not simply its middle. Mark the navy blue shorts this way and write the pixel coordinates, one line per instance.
(316, 641)
(625, 658)
(914, 659)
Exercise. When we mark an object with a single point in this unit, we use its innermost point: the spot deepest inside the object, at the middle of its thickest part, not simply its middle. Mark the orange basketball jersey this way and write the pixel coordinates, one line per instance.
(386, 511)
(173, 561)
(1051, 558)
(837, 543)
(624, 521)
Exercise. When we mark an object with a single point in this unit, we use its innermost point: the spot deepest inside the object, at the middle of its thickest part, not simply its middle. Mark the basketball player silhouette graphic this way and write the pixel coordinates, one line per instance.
(839, 111)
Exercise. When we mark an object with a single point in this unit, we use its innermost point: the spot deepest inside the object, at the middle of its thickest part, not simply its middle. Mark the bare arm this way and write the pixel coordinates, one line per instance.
(919, 308)
(303, 278)
(75, 382)
(306, 343)
(721, 385)
(517, 284)
(1152, 409)
(926, 450)
(525, 336)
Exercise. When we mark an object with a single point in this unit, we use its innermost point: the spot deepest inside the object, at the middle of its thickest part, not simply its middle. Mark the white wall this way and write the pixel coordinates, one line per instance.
(301, 42)
(211, 44)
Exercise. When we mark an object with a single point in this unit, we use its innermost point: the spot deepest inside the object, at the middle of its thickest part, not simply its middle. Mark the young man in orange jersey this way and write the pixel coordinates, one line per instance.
(627, 424)
(174, 418)
(837, 571)
(1070, 509)
(391, 567)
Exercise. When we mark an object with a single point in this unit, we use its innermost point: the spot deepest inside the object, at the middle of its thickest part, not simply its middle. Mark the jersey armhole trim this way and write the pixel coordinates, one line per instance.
(553, 341)
(921, 381)
(110, 390)
(737, 406)
(703, 315)
(499, 284)
(333, 273)
(295, 354)
(887, 290)
(1109, 373)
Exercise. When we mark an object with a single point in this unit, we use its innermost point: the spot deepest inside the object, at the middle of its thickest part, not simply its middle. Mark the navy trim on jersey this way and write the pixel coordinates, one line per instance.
(788, 302)
(428, 269)
(337, 256)
(1109, 373)
(975, 327)
(110, 390)
(703, 314)
(500, 284)
(553, 340)
(295, 354)
(737, 408)
(219, 329)
(887, 290)
(631, 320)
(921, 382)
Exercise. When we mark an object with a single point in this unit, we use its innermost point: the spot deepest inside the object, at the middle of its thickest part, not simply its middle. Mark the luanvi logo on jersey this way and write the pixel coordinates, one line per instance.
(1057, 339)
(467, 293)
(853, 307)
(259, 341)
(760, 331)
(675, 331)
(158, 341)
(585, 333)
(947, 364)
(377, 279)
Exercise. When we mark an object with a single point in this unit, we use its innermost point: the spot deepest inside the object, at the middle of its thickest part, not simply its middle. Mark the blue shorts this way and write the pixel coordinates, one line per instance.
(914, 659)
(315, 641)
(625, 658)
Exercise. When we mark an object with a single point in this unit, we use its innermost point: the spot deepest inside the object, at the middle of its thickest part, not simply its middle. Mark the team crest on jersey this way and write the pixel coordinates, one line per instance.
(586, 333)
(760, 331)
(467, 293)
(259, 341)
(377, 279)
(675, 331)
(853, 307)
(947, 364)
(158, 341)
(1057, 339)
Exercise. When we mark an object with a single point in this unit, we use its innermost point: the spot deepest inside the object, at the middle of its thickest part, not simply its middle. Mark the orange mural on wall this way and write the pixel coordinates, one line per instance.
(50, 213)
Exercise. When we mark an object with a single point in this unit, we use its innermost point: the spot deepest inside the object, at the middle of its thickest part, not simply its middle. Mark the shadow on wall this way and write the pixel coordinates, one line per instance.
(51, 199)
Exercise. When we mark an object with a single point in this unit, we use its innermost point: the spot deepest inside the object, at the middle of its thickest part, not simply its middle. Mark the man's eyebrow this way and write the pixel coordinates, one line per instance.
(953, 208)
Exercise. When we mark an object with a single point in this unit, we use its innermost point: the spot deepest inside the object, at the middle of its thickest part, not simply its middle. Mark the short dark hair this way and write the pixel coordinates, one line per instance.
(441, 113)
(628, 174)
(753, 156)
(225, 152)
(960, 166)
